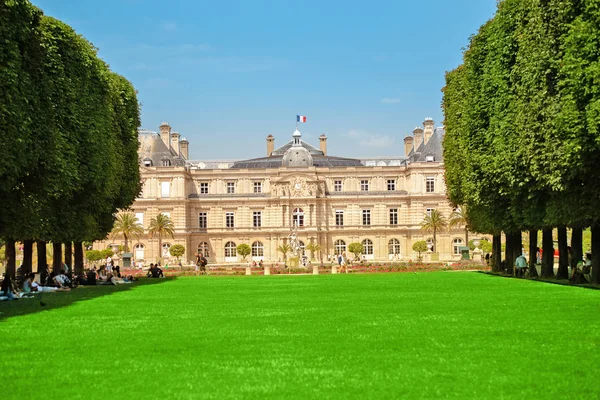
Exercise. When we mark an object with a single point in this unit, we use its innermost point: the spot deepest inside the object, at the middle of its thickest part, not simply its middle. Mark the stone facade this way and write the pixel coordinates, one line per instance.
(330, 201)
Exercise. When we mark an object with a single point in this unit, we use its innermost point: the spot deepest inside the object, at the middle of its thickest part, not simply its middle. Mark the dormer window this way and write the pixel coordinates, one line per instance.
(166, 162)
(147, 162)
(429, 158)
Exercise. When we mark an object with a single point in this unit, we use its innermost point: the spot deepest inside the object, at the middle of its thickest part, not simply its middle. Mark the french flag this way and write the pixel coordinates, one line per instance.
(300, 118)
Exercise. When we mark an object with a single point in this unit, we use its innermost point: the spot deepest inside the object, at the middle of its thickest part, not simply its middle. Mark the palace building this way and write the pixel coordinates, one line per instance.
(327, 200)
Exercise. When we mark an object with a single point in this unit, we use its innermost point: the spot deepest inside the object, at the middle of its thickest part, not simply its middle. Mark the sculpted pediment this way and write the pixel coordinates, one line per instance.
(297, 185)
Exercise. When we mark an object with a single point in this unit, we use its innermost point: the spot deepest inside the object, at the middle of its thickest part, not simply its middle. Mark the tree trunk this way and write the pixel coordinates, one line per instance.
(576, 247)
(547, 253)
(159, 258)
(434, 249)
(563, 254)
(496, 253)
(11, 258)
(27, 257)
(56, 257)
(69, 255)
(533, 239)
(509, 252)
(78, 266)
(596, 254)
(466, 236)
(42, 266)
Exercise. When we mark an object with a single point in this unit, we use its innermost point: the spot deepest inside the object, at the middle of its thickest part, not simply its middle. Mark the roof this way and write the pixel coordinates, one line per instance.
(276, 162)
(433, 148)
(311, 149)
(153, 148)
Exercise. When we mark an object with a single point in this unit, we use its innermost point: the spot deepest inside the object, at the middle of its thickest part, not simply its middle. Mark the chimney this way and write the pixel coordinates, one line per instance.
(323, 144)
(418, 134)
(175, 142)
(408, 145)
(165, 131)
(270, 145)
(184, 146)
(429, 127)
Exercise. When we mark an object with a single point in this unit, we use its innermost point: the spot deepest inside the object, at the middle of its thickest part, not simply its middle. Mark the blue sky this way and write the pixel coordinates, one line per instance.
(225, 74)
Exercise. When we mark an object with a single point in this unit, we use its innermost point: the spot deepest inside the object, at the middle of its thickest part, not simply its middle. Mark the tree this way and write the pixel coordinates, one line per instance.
(459, 217)
(244, 250)
(128, 226)
(313, 248)
(435, 222)
(177, 250)
(357, 249)
(420, 246)
(160, 226)
(284, 249)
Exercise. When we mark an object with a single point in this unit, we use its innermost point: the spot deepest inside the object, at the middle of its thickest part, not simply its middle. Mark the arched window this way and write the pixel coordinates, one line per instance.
(339, 246)
(165, 249)
(456, 245)
(298, 217)
(230, 249)
(394, 247)
(139, 251)
(203, 248)
(302, 247)
(258, 250)
(368, 247)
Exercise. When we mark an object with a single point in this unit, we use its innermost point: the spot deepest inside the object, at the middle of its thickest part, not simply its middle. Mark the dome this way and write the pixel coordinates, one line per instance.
(297, 156)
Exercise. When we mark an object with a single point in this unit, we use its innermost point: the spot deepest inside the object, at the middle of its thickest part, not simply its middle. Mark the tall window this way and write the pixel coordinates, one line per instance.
(393, 216)
(364, 185)
(202, 220)
(258, 249)
(257, 187)
(339, 246)
(203, 249)
(430, 244)
(166, 163)
(230, 187)
(203, 187)
(339, 217)
(368, 247)
(366, 216)
(302, 247)
(229, 221)
(394, 247)
(337, 186)
(139, 251)
(139, 216)
(257, 219)
(430, 184)
(391, 184)
(230, 249)
(298, 217)
(165, 189)
(456, 245)
(428, 211)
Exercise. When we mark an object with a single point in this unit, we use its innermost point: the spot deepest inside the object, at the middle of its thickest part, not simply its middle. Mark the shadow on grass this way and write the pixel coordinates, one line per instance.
(552, 281)
(49, 301)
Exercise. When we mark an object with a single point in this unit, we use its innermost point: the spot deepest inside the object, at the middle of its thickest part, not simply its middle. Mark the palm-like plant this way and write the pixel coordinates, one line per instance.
(127, 225)
(161, 226)
(313, 248)
(284, 249)
(460, 217)
(435, 222)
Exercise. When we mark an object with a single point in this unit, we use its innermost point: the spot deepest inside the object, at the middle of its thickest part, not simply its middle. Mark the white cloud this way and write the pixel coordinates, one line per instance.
(390, 100)
(176, 49)
(370, 139)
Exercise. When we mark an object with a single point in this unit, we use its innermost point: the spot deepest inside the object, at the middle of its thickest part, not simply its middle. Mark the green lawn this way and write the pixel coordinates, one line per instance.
(429, 335)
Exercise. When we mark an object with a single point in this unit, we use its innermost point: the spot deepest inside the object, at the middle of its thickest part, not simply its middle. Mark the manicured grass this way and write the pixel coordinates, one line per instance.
(427, 335)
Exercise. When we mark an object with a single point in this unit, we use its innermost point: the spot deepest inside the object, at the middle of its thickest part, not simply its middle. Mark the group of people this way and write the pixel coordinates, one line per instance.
(201, 263)
(579, 274)
(342, 262)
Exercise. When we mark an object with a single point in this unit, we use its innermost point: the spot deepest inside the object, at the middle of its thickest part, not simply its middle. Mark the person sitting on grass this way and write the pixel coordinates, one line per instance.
(581, 273)
(155, 272)
(31, 286)
(520, 265)
(62, 279)
(8, 289)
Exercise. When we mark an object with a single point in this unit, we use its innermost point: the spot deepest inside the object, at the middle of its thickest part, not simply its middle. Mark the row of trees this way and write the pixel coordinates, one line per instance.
(522, 117)
(68, 149)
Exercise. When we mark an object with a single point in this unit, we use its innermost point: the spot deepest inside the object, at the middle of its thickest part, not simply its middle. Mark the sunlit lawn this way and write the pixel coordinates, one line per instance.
(427, 335)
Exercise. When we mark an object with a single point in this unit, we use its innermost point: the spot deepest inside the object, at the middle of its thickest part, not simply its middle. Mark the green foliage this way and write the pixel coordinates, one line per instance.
(243, 250)
(435, 222)
(420, 246)
(284, 249)
(313, 248)
(127, 225)
(356, 248)
(484, 244)
(177, 250)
